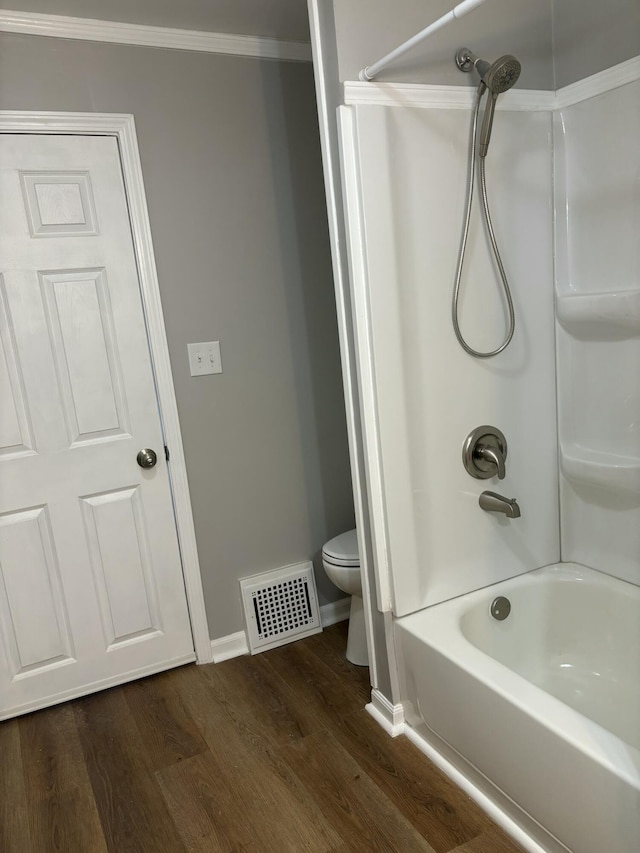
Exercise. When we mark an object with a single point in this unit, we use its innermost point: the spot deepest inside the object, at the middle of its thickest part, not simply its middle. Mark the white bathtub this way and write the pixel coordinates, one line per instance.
(545, 704)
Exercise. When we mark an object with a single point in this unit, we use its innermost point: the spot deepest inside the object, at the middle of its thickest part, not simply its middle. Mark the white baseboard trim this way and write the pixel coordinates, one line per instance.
(231, 646)
(390, 717)
(116, 32)
(501, 809)
(335, 611)
(235, 645)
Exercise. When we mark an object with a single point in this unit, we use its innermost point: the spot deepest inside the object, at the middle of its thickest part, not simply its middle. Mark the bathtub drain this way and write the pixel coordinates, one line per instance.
(500, 608)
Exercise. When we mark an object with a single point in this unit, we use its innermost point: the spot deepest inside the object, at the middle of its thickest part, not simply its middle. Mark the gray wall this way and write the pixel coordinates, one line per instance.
(282, 19)
(557, 41)
(591, 35)
(231, 163)
(366, 31)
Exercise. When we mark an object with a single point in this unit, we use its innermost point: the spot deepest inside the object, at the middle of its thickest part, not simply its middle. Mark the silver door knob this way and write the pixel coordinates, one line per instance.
(147, 458)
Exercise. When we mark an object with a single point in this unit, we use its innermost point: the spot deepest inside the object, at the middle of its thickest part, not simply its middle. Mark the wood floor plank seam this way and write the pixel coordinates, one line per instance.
(266, 754)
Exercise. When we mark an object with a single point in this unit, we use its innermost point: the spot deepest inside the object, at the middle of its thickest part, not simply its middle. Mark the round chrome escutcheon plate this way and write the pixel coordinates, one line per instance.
(500, 608)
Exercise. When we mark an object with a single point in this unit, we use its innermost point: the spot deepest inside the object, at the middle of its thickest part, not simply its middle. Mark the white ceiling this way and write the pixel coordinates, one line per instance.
(281, 19)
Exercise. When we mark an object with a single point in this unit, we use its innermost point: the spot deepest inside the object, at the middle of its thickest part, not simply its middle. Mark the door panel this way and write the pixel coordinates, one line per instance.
(121, 566)
(33, 609)
(81, 331)
(15, 431)
(58, 205)
(91, 587)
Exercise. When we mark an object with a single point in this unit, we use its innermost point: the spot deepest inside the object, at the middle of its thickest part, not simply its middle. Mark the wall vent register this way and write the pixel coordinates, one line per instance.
(280, 606)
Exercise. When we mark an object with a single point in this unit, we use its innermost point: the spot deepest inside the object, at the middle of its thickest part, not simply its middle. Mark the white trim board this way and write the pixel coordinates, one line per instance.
(390, 717)
(529, 834)
(322, 31)
(122, 127)
(335, 611)
(234, 645)
(598, 84)
(425, 96)
(365, 363)
(115, 32)
(501, 809)
(231, 646)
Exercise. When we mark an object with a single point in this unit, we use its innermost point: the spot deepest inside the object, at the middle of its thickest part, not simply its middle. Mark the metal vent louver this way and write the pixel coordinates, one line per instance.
(280, 606)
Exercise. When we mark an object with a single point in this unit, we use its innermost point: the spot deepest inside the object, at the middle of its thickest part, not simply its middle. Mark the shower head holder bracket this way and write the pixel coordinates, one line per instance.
(464, 59)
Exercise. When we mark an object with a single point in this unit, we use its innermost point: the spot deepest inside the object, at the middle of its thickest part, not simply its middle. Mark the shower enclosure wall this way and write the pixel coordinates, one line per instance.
(405, 184)
(564, 184)
(405, 188)
(597, 182)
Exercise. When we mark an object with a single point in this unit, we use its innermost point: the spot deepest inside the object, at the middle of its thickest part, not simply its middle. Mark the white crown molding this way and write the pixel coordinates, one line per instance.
(425, 96)
(90, 29)
(598, 84)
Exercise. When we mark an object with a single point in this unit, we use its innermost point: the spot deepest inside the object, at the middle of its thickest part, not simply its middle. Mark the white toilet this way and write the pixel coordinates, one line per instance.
(341, 561)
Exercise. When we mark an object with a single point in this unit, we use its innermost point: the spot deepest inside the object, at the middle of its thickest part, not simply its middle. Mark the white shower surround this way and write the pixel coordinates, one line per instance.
(424, 393)
(432, 541)
(597, 185)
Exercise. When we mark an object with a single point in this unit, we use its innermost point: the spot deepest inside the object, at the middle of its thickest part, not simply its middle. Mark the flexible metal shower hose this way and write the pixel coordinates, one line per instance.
(492, 237)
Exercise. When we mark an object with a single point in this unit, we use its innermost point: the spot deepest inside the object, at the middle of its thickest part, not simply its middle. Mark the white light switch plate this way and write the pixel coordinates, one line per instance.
(204, 358)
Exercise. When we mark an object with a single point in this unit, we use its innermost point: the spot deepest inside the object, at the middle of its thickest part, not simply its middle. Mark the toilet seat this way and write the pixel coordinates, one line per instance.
(342, 550)
(347, 564)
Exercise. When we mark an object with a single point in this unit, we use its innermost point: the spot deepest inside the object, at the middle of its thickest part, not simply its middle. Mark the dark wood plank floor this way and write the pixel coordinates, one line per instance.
(266, 753)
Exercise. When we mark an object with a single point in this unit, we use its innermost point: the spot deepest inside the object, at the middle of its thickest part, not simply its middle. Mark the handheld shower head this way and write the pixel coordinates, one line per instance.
(498, 77)
(501, 75)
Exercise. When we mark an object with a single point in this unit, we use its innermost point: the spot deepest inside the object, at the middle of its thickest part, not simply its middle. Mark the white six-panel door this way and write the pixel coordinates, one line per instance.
(91, 587)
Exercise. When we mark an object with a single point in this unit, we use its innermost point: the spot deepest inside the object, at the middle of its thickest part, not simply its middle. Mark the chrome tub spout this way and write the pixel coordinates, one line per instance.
(493, 502)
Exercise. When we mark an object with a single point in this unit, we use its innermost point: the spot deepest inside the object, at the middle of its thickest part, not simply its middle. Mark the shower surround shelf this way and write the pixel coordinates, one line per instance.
(600, 316)
(598, 468)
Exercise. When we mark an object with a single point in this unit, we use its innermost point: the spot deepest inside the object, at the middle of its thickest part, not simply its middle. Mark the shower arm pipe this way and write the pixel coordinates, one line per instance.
(371, 71)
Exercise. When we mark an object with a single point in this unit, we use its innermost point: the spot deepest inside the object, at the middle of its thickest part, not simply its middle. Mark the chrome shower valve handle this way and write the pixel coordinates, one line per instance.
(484, 453)
(493, 455)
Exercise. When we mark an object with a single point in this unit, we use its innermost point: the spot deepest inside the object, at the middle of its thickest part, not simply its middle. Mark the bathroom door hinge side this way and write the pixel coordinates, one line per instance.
(166, 453)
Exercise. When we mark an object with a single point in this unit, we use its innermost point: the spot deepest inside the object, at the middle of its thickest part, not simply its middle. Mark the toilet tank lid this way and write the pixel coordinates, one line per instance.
(343, 547)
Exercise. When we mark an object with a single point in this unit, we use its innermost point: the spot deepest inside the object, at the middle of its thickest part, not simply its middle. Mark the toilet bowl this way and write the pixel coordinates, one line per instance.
(341, 561)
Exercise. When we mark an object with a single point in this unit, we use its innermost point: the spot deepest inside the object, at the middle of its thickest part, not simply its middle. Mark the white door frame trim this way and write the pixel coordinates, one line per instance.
(122, 127)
